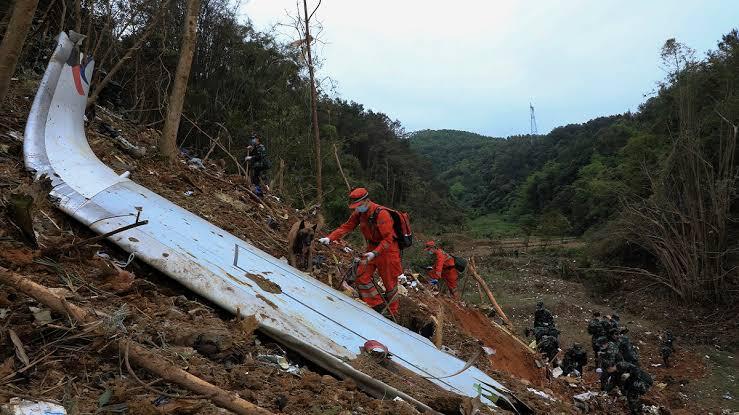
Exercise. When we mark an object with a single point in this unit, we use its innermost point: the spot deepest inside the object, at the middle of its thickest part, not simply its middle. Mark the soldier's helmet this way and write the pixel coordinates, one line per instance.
(601, 341)
(540, 304)
(615, 316)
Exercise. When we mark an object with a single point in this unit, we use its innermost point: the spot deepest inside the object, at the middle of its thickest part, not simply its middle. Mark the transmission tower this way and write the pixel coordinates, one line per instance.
(534, 131)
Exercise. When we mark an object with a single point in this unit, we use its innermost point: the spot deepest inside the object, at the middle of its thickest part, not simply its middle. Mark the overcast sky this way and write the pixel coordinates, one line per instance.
(475, 65)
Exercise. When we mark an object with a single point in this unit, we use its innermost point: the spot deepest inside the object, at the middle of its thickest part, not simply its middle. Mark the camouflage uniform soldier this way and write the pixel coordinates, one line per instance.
(667, 347)
(608, 358)
(549, 346)
(627, 350)
(575, 359)
(542, 316)
(633, 382)
(545, 332)
(614, 326)
(596, 329)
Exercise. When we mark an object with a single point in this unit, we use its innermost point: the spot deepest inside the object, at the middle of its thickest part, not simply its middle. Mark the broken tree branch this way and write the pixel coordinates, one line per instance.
(20, 351)
(94, 239)
(138, 354)
(341, 170)
(218, 143)
(489, 293)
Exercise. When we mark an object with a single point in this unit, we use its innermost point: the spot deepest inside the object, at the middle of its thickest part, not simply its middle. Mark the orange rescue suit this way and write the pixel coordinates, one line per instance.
(377, 229)
(444, 268)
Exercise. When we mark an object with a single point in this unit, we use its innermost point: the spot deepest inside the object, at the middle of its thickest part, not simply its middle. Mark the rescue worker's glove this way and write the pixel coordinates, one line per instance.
(599, 371)
(369, 256)
(324, 241)
(434, 282)
(249, 158)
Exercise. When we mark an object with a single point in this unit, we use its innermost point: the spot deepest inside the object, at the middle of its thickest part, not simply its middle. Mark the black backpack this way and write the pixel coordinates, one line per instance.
(460, 263)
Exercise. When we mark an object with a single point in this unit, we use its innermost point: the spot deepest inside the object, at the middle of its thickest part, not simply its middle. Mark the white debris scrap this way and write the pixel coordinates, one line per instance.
(540, 393)
(15, 135)
(585, 396)
(18, 406)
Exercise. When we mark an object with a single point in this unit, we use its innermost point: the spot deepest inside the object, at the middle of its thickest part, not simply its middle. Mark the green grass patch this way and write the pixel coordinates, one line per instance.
(493, 225)
(494, 279)
(560, 251)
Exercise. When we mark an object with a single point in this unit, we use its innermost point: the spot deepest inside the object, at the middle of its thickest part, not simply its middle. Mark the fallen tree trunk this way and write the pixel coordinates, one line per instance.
(489, 293)
(137, 353)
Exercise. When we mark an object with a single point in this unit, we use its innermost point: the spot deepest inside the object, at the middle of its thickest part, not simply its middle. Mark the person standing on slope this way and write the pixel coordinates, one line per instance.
(383, 252)
(444, 267)
(258, 163)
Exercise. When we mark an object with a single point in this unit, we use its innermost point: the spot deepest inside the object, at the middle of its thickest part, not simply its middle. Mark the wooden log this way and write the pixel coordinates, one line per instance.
(137, 353)
(489, 293)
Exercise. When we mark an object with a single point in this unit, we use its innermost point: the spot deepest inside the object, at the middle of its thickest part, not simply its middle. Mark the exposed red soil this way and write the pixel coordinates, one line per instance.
(19, 256)
(511, 355)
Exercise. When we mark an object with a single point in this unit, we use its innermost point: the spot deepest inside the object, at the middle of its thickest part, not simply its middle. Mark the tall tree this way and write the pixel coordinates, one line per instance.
(168, 141)
(313, 99)
(12, 43)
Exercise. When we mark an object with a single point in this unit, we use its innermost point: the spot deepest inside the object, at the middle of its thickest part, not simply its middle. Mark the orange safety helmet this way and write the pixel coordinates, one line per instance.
(430, 244)
(357, 196)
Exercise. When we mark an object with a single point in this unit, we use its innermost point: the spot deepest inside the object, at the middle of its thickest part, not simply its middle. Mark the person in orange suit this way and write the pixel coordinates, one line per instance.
(443, 267)
(383, 252)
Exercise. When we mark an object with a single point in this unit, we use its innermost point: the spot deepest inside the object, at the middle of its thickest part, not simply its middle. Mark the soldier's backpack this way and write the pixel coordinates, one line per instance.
(401, 226)
(460, 263)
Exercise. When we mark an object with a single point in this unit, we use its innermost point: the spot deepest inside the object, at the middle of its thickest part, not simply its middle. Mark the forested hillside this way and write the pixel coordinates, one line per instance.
(586, 171)
(522, 176)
